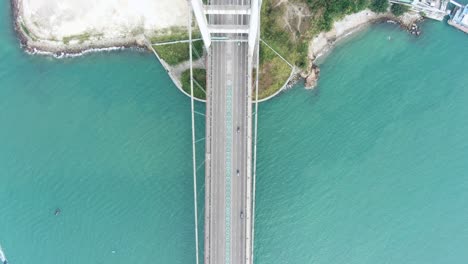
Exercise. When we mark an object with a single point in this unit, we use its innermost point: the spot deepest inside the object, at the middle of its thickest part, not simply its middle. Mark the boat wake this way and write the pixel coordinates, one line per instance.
(3, 259)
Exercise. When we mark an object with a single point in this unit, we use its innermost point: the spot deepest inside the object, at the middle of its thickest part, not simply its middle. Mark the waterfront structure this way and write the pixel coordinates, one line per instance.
(230, 33)
(434, 9)
(437, 9)
(459, 18)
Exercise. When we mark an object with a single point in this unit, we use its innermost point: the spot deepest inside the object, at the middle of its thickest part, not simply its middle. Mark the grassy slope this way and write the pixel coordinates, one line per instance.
(273, 72)
(199, 75)
(173, 34)
(274, 33)
(288, 27)
(176, 53)
(293, 42)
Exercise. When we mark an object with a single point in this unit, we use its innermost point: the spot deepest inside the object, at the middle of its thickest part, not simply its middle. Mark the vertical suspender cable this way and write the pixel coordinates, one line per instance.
(194, 157)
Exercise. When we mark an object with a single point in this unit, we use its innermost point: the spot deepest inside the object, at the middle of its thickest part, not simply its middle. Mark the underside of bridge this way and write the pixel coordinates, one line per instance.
(230, 33)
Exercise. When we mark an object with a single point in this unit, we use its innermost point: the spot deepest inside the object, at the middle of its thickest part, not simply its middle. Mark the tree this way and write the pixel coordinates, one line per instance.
(398, 9)
(379, 6)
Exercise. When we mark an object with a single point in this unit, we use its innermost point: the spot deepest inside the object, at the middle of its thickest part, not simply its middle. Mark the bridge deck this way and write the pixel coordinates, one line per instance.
(228, 143)
(226, 190)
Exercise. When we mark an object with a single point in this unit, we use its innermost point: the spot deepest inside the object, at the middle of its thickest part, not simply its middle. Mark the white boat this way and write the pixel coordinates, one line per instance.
(3, 259)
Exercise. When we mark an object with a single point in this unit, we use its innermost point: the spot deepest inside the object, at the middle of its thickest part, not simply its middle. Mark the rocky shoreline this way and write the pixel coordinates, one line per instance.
(60, 50)
(319, 47)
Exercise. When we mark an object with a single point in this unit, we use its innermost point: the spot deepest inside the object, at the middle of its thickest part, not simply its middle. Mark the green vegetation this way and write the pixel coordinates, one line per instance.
(27, 32)
(81, 38)
(328, 11)
(199, 76)
(137, 31)
(25, 29)
(379, 6)
(273, 72)
(287, 26)
(291, 44)
(289, 31)
(176, 53)
(173, 34)
(398, 9)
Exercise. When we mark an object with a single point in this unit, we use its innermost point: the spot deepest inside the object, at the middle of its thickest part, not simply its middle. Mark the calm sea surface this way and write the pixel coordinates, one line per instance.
(371, 167)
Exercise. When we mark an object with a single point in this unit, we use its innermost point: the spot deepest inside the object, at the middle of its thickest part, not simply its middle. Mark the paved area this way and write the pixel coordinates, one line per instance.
(227, 174)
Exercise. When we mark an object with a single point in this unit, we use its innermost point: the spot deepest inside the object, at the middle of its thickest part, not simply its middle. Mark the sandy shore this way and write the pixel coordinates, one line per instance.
(74, 26)
(324, 42)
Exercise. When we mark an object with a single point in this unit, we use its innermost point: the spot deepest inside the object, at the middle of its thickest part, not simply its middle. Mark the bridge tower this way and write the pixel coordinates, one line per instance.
(221, 7)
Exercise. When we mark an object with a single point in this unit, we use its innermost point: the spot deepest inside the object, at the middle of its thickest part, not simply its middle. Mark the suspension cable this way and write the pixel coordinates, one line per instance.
(194, 157)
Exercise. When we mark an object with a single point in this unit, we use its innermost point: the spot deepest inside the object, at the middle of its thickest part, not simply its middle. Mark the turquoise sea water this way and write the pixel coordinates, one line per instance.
(372, 167)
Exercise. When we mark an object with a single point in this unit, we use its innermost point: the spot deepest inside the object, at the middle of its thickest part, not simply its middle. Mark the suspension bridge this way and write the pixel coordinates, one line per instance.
(230, 32)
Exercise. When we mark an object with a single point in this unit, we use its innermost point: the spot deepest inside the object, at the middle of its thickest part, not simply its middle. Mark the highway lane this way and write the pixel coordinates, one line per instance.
(227, 108)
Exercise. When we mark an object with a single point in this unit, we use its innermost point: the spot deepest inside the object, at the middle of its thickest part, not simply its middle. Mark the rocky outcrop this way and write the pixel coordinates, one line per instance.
(311, 77)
